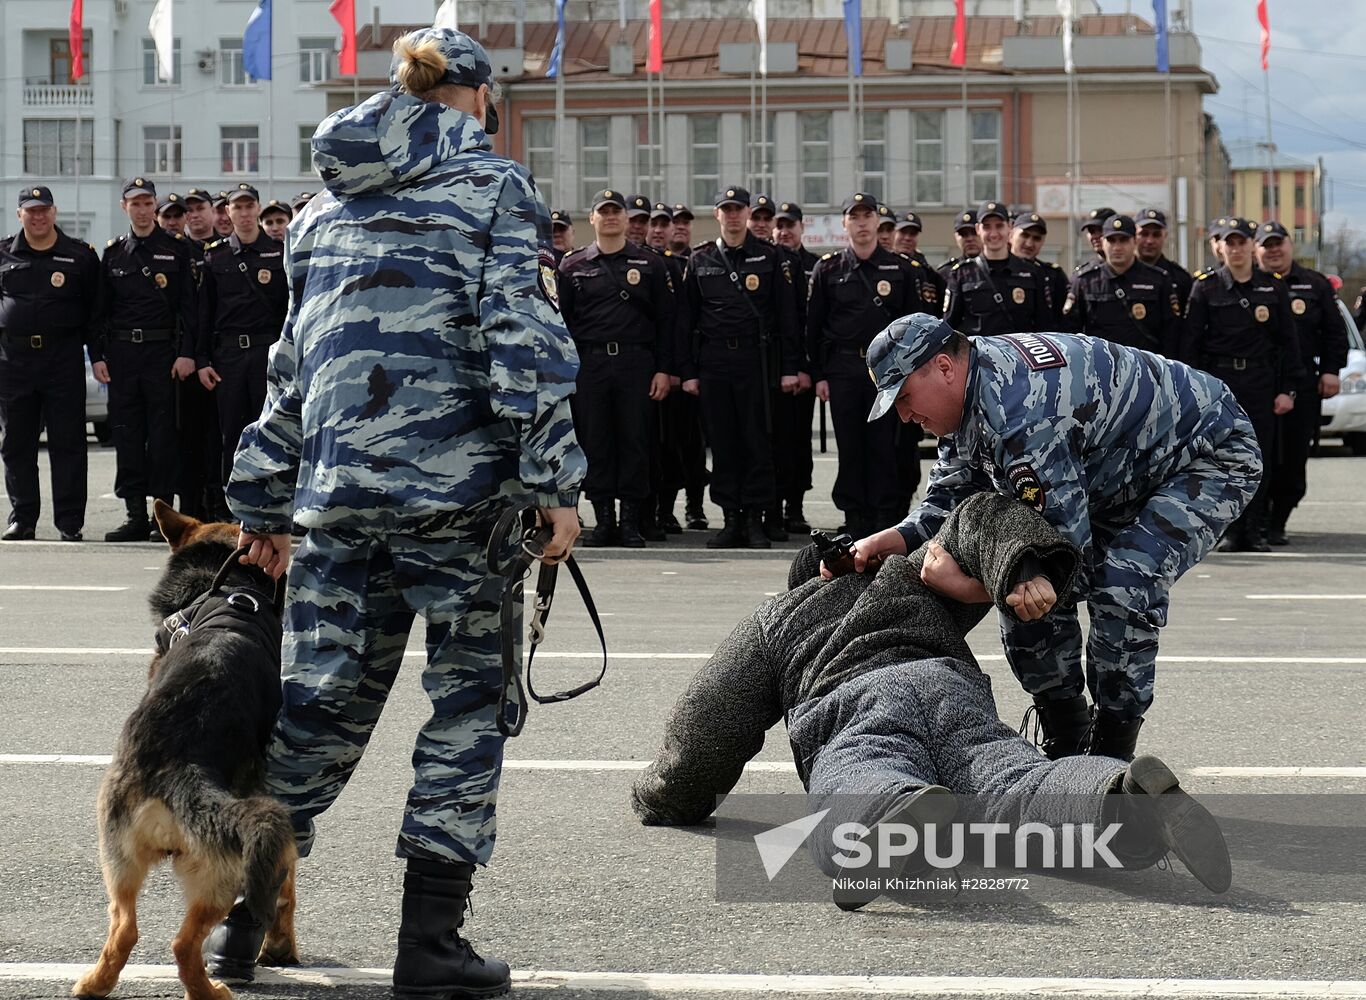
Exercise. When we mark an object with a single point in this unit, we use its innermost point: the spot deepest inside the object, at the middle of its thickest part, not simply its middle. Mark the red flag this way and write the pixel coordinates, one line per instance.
(959, 55)
(1265, 22)
(345, 13)
(76, 38)
(654, 60)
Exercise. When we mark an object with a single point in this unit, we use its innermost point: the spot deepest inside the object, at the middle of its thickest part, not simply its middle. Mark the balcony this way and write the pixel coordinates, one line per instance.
(58, 95)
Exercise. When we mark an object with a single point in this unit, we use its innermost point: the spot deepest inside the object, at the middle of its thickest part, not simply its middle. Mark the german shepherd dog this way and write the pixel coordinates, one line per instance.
(187, 778)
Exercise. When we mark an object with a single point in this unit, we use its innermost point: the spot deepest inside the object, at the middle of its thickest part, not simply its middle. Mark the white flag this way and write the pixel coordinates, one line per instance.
(446, 16)
(1065, 9)
(761, 21)
(163, 39)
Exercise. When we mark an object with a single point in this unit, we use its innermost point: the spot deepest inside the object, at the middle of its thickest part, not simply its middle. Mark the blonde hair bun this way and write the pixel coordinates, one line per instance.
(421, 66)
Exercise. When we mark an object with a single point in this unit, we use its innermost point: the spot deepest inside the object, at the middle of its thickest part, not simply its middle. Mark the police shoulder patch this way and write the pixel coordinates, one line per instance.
(1038, 352)
(546, 264)
(1027, 485)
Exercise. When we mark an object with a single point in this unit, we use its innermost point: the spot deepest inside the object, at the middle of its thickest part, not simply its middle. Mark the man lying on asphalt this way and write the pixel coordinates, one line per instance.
(889, 715)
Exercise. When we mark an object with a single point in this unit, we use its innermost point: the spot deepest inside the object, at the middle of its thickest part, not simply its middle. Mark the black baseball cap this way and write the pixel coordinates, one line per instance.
(300, 200)
(1240, 227)
(220, 200)
(967, 219)
(32, 197)
(1031, 220)
(172, 200)
(732, 196)
(276, 205)
(681, 210)
(560, 217)
(910, 221)
(1271, 231)
(609, 197)
(636, 205)
(993, 208)
(661, 211)
(1096, 217)
(859, 199)
(244, 190)
(1151, 217)
(885, 215)
(789, 210)
(762, 203)
(1119, 225)
(138, 185)
(197, 194)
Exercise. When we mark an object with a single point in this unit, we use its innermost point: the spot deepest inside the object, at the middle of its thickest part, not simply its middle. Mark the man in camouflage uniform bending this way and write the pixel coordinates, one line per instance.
(1140, 462)
(420, 384)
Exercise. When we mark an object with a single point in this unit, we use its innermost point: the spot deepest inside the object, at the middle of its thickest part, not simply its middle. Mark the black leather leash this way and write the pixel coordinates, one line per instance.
(179, 624)
(221, 578)
(530, 539)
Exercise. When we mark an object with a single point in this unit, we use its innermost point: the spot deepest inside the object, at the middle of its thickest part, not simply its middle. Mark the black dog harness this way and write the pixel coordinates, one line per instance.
(530, 547)
(243, 610)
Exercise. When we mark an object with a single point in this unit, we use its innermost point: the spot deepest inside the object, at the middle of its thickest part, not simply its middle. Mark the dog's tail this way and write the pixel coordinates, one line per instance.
(257, 827)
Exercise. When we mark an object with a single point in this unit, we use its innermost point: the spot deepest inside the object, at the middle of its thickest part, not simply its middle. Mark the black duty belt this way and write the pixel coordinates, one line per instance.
(36, 341)
(1226, 363)
(862, 352)
(730, 343)
(531, 542)
(140, 336)
(611, 347)
(246, 340)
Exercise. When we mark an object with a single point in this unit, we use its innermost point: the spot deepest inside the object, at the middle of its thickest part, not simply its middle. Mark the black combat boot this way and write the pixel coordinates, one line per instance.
(1064, 724)
(754, 529)
(694, 514)
(733, 535)
(135, 528)
(1152, 796)
(774, 529)
(1112, 737)
(1256, 537)
(647, 521)
(1275, 535)
(604, 533)
(667, 521)
(630, 534)
(434, 962)
(796, 520)
(231, 949)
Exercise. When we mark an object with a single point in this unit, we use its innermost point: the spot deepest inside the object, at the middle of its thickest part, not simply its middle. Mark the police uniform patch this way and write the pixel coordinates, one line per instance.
(1262, 313)
(1139, 310)
(58, 279)
(1027, 485)
(633, 276)
(161, 281)
(1018, 294)
(1038, 351)
(1297, 306)
(752, 282)
(884, 287)
(263, 276)
(546, 260)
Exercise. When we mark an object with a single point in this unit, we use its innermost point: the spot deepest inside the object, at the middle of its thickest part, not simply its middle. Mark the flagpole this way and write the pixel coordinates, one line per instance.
(560, 136)
(967, 137)
(650, 130)
(270, 100)
(1272, 193)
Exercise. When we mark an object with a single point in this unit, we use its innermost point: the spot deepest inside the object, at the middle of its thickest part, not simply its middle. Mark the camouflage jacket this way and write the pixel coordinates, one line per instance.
(1079, 428)
(423, 368)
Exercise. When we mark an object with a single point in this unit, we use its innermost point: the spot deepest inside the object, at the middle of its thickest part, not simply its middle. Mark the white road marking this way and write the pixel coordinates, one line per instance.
(1306, 597)
(8, 586)
(670, 982)
(753, 767)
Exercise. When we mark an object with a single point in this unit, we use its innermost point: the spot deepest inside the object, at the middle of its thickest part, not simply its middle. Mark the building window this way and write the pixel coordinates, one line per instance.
(595, 143)
(649, 160)
(315, 59)
(149, 65)
(538, 136)
(161, 149)
(230, 70)
(50, 147)
(241, 148)
(873, 154)
(927, 152)
(306, 149)
(763, 156)
(1299, 196)
(814, 129)
(1299, 236)
(706, 157)
(986, 156)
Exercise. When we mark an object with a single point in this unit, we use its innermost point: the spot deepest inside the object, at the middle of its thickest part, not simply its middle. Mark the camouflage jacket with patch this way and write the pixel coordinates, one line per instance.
(1079, 428)
(423, 368)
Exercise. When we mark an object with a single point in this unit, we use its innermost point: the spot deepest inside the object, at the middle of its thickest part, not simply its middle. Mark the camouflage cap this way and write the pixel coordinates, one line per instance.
(899, 350)
(467, 64)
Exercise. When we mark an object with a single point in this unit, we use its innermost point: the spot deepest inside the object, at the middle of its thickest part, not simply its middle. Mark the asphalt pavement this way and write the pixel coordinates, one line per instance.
(1258, 691)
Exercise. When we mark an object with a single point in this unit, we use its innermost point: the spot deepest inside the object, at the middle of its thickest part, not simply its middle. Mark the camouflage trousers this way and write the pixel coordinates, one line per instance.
(351, 602)
(1137, 553)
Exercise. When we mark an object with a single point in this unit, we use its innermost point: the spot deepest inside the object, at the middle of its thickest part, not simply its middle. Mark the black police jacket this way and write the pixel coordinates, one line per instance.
(626, 297)
(52, 292)
(994, 297)
(150, 283)
(935, 285)
(1319, 325)
(244, 295)
(853, 300)
(1251, 323)
(1138, 308)
(1180, 277)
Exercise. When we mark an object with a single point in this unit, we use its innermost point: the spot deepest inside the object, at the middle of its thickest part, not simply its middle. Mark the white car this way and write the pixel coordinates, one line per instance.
(97, 405)
(1344, 415)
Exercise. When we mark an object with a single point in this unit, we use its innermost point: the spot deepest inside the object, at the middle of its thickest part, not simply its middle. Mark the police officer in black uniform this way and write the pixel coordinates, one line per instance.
(886, 227)
(638, 211)
(680, 240)
(855, 294)
(1124, 300)
(171, 213)
(741, 320)
(561, 234)
(275, 218)
(242, 307)
(1240, 328)
(687, 415)
(996, 292)
(1322, 335)
(1214, 242)
(199, 217)
(1028, 230)
(657, 518)
(965, 236)
(1152, 243)
(150, 324)
(1093, 228)
(908, 230)
(616, 298)
(49, 298)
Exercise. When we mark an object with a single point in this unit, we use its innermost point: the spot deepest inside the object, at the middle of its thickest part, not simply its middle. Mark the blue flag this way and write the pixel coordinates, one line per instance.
(853, 31)
(557, 54)
(1160, 23)
(256, 43)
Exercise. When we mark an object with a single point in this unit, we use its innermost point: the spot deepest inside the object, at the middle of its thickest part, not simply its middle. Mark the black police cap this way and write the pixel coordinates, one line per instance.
(859, 199)
(661, 211)
(732, 196)
(1031, 220)
(138, 185)
(682, 211)
(967, 219)
(1151, 217)
(1271, 231)
(1119, 225)
(789, 210)
(637, 204)
(609, 197)
(910, 221)
(32, 197)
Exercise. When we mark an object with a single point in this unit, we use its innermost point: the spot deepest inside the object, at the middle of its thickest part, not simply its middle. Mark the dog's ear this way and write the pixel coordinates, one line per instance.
(175, 526)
